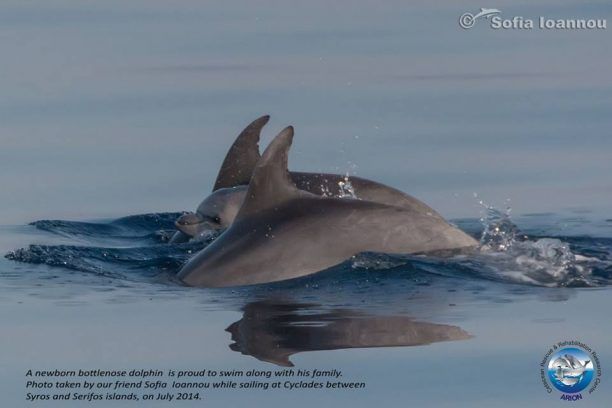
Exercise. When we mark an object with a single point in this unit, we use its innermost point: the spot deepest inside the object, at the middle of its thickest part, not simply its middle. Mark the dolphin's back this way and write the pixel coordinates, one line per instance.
(332, 185)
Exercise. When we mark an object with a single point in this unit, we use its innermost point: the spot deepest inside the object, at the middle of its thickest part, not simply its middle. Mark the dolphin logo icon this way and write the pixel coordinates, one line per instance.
(486, 13)
(468, 20)
(569, 370)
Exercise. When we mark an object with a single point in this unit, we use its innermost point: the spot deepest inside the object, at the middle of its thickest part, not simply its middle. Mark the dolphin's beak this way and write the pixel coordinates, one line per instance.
(194, 224)
(188, 219)
(188, 223)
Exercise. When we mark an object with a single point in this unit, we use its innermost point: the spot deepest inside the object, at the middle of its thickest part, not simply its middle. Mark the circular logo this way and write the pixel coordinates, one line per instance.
(570, 369)
(467, 20)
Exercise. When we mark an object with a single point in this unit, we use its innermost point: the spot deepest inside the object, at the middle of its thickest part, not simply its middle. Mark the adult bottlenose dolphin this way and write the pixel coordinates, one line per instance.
(218, 210)
(282, 232)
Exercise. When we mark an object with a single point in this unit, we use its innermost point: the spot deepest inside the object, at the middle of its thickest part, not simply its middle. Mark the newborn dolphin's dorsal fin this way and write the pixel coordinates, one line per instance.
(237, 168)
(271, 183)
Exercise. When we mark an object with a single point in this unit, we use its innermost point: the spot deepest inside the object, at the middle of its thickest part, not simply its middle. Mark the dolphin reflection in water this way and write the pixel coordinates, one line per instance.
(274, 331)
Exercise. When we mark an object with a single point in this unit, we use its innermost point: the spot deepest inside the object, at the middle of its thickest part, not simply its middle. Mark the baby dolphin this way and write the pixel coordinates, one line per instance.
(218, 210)
(282, 232)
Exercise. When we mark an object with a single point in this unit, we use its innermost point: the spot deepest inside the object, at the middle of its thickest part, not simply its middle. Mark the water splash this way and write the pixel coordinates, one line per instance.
(371, 261)
(539, 261)
(346, 188)
(499, 233)
(325, 192)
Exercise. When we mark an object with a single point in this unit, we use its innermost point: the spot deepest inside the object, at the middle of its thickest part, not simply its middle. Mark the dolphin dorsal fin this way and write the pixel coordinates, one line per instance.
(238, 165)
(271, 183)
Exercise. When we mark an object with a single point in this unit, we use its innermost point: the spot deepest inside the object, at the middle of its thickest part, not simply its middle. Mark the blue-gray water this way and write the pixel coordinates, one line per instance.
(116, 108)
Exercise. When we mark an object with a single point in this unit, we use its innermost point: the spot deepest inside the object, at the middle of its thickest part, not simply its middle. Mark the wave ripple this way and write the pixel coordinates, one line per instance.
(136, 248)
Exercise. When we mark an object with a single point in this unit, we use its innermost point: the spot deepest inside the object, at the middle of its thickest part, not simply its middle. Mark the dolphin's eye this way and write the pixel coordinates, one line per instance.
(213, 218)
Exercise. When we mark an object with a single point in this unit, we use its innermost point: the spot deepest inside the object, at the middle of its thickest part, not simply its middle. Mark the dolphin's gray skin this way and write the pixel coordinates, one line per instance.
(272, 331)
(218, 210)
(281, 232)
